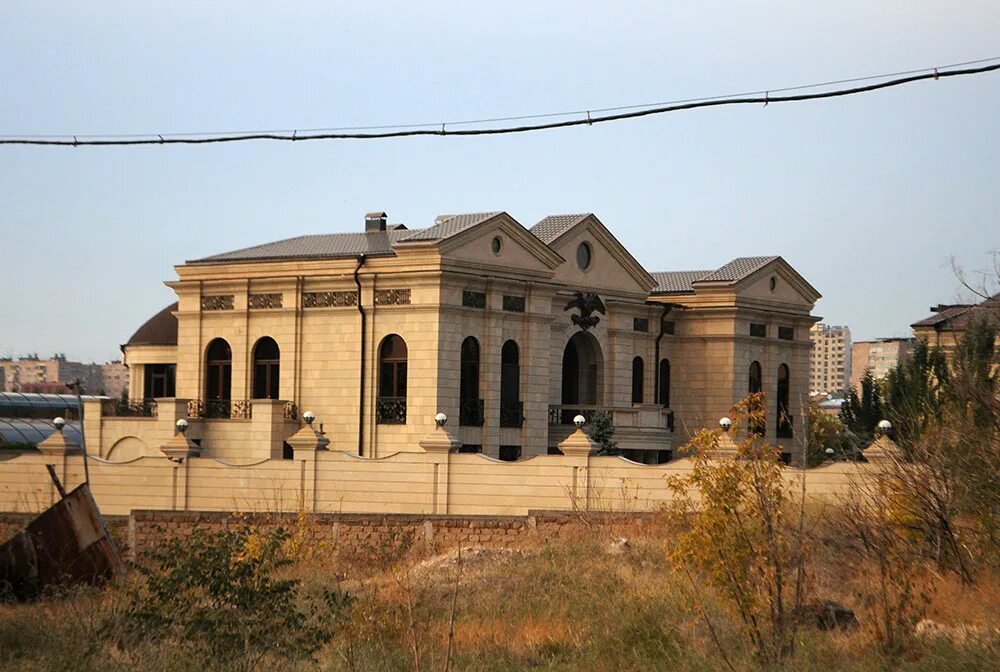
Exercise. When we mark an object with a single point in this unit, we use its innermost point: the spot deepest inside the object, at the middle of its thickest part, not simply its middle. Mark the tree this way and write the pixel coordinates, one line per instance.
(916, 392)
(602, 431)
(861, 414)
(828, 432)
(736, 528)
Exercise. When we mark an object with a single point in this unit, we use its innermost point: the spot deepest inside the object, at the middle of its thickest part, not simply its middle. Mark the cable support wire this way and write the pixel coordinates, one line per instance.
(441, 128)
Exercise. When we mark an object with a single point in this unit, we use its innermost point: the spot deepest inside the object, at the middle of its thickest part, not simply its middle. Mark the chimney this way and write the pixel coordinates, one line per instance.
(375, 221)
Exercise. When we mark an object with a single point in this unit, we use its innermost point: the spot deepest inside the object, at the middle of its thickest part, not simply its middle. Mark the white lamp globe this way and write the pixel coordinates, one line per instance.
(725, 423)
(182, 425)
(309, 416)
(440, 419)
(579, 421)
(59, 422)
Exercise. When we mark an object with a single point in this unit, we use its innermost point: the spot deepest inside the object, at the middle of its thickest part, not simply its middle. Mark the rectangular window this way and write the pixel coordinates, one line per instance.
(786, 333)
(668, 327)
(513, 304)
(640, 324)
(758, 330)
(473, 299)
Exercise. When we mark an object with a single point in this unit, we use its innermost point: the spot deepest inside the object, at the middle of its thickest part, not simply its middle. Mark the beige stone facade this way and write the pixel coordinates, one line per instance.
(830, 363)
(372, 332)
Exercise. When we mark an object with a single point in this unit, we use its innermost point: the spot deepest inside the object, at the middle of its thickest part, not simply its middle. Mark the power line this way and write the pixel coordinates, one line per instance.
(440, 129)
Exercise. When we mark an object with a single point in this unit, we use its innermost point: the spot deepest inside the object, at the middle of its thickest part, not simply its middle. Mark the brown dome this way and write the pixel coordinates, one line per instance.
(160, 329)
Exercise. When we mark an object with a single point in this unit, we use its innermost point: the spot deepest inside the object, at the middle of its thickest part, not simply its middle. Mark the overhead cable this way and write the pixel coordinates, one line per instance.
(441, 129)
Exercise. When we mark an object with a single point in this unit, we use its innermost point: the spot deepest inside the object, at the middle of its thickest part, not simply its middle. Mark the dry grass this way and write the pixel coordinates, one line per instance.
(581, 603)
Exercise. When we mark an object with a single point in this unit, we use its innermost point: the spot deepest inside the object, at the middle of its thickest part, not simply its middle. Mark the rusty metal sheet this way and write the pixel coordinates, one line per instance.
(66, 544)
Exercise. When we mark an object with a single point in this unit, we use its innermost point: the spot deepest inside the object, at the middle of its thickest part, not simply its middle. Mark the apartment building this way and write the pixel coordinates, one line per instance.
(830, 363)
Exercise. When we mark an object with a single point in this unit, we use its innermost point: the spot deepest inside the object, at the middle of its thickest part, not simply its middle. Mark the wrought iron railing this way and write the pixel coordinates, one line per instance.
(390, 410)
(563, 415)
(471, 413)
(785, 426)
(511, 413)
(238, 409)
(128, 408)
(290, 411)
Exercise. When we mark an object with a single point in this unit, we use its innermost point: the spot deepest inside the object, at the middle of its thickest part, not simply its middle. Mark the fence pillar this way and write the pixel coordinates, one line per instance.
(305, 443)
(439, 446)
(577, 447)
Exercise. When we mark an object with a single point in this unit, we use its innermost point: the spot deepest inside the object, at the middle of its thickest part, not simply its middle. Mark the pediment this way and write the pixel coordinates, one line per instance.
(788, 286)
(519, 249)
(612, 267)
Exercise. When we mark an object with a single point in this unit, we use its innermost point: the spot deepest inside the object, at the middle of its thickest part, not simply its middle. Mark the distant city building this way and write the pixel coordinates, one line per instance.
(946, 327)
(31, 373)
(879, 355)
(830, 363)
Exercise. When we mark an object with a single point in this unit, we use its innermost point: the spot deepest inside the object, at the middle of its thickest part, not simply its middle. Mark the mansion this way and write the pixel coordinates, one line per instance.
(509, 331)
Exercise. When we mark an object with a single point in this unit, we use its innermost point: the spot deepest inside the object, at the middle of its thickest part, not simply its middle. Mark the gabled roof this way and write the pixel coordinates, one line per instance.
(731, 273)
(668, 282)
(319, 246)
(951, 317)
(737, 269)
(446, 226)
(553, 226)
(160, 329)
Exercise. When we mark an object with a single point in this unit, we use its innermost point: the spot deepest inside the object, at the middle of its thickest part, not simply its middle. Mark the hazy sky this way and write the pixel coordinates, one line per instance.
(866, 196)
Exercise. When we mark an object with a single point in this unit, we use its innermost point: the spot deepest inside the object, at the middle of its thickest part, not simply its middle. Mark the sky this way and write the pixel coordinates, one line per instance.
(867, 197)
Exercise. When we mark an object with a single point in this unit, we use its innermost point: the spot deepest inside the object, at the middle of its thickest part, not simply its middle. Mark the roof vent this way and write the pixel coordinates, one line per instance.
(375, 221)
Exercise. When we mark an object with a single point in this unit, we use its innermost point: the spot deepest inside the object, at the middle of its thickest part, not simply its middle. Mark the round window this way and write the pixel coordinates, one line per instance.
(583, 256)
(496, 244)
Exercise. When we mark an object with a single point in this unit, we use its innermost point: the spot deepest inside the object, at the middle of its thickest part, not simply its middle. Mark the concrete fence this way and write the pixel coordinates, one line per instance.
(428, 483)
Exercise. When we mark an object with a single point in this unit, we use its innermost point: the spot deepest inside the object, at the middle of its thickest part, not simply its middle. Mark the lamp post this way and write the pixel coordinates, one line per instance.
(76, 385)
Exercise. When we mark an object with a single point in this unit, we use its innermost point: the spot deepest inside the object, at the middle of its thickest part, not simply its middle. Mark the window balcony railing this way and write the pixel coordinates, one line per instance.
(128, 408)
(563, 415)
(290, 411)
(785, 427)
(511, 414)
(238, 409)
(471, 413)
(390, 410)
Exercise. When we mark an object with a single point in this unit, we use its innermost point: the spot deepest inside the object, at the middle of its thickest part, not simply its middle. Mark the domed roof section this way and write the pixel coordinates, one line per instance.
(160, 329)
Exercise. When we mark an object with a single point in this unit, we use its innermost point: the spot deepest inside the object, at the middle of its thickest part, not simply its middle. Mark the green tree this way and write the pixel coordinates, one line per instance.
(828, 432)
(917, 390)
(602, 432)
(861, 414)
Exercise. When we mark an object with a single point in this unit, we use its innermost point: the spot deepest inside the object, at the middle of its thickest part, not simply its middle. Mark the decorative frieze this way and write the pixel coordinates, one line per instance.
(392, 297)
(265, 300)
(218, 302)
(473, 299)
(640, 324)
(329, 299)
(513, 304)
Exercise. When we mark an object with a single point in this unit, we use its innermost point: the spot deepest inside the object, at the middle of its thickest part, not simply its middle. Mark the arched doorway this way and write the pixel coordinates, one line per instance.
(582, 371)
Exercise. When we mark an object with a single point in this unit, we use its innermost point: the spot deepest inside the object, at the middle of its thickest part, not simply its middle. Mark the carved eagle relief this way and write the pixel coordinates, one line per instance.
(588, 303)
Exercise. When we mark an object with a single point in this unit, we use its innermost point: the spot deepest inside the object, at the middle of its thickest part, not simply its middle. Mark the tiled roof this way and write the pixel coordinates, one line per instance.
(958, 316)
(160, 329)
(323, 246)
(446, 226)
(671, 282)
(737, 269)
(554, 226)
(676, 281)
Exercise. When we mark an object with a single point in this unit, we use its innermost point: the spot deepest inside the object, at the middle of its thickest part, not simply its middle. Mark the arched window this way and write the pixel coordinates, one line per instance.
(756, 379)
(218, 370)
(784, 415)
(510, 386)
(638, 379)
(266, 368)
(470, 412)
(664, 396)
(390, 408)
(756, 384)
